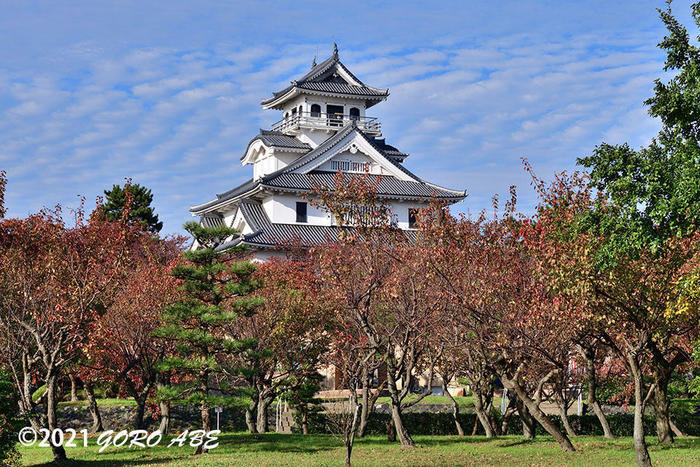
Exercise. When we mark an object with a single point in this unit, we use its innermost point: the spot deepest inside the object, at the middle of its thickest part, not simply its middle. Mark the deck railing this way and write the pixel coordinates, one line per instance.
(324, 121)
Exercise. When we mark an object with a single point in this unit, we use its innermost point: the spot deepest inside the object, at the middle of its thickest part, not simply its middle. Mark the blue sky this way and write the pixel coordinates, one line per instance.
(168, 93)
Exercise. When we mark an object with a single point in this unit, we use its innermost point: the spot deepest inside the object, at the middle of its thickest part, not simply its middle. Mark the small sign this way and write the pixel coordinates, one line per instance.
(218, 409)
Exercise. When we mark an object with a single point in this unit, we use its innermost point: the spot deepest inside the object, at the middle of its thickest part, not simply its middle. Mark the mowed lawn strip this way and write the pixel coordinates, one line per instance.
(285, 449)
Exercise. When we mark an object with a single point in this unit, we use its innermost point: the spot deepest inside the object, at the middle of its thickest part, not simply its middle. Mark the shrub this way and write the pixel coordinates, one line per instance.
(10, 422)
(426, 423)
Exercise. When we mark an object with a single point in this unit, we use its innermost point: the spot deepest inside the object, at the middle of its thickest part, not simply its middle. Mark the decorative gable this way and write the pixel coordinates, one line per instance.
(352, 147)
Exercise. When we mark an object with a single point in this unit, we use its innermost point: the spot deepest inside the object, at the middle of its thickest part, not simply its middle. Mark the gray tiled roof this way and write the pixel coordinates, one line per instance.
(211, 220)
(386, 186)
(343, 88)
(278, 139)
(318, 79)
(318, 151)
(386, 149)
(269, 234)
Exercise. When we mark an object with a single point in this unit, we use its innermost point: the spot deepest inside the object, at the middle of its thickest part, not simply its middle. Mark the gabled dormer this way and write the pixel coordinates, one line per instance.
(270, 151)
(326, 99)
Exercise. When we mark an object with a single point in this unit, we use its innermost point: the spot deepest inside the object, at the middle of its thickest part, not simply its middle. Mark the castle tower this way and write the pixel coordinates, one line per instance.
(323, 129)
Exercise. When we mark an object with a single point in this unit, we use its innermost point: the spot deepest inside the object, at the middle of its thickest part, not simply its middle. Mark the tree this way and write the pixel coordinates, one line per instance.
(627, 300)
(650, 197)
(290, 335)
(516, 328)
(139, 198)
(457, 266)
(217, 288)
(407, 318)
(3, 184)
(342, 420)
(357, 271)
(121, 346)
(54, 282)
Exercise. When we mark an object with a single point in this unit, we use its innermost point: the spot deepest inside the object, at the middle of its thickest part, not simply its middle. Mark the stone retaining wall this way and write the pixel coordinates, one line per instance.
(122, 418)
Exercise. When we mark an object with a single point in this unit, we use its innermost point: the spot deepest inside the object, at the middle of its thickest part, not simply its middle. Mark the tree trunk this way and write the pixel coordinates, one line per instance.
(640, 445)
(455, 408)
(529, 428)
(510, 410)
(390, 432)
(162, 379)
(164, 426)
(369, 400)
(677, 431)
(401, 431)
(365, 408)
(94, 408)
(481, 413)
(59, 453)
(349, 437)
(250, 416)
(262, 421)
(592, 381)
(140, 412)
(73, 388)
(602, 419)
(206, 417)
(204, 408)
(305, 422)
(565, 419)
(662, 412)
(534, 409)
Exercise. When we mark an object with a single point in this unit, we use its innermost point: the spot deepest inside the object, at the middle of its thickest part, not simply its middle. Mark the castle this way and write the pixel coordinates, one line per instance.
(324, 129)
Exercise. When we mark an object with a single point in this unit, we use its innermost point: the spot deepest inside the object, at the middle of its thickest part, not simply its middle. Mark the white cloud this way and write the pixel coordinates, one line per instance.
(177, 118)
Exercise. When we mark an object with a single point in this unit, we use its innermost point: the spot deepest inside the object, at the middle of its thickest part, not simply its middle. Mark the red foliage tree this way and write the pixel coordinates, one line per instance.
(54, 282)
(629, 304)
(288, 335)
(120, 346)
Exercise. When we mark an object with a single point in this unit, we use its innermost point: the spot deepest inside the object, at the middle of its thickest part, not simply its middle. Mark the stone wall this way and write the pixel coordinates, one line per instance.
(122, 418)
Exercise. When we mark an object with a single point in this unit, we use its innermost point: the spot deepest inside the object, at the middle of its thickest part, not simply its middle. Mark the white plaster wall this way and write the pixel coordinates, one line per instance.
(268, 206)
(271, 162)
(261, 256)
(400, 209)
(283, 209)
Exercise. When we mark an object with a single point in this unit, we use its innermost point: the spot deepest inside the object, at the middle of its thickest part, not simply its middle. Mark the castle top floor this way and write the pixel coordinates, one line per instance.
(327, 98)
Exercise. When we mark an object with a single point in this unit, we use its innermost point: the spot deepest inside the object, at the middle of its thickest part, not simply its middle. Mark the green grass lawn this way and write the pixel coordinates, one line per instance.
(463, 401)
(281, 449)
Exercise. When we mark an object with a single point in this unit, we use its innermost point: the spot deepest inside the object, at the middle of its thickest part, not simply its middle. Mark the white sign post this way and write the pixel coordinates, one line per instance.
(218, 410)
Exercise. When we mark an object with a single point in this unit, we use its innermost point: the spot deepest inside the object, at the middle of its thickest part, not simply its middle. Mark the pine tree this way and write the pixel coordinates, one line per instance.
(217, 287)
(140, 211)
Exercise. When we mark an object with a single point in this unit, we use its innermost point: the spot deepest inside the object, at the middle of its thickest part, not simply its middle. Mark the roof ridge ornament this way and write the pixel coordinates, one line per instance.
(335, 50)
(313, 63)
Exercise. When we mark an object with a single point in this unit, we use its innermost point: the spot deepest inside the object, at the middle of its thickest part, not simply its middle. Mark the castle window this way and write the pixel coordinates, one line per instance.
(354, 113)
(335, 115)
(315, 110)
(301, 212)
(412, 217)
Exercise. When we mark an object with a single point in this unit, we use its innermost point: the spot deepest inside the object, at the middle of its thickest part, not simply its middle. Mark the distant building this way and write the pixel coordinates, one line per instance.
(324, 129)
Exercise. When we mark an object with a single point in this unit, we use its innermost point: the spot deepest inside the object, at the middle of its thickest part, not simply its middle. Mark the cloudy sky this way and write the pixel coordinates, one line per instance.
(168, 93)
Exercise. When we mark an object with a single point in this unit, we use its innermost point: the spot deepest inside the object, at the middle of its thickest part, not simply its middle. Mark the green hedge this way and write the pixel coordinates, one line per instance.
(10, 421)
(443, 424)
